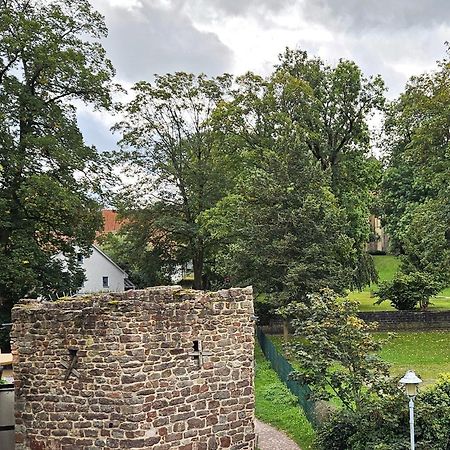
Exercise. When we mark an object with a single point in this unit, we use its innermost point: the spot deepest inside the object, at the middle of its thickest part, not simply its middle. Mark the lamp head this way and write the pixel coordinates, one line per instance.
(411, 382)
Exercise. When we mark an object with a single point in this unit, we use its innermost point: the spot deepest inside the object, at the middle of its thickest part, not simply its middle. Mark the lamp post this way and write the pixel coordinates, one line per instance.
(411, 382)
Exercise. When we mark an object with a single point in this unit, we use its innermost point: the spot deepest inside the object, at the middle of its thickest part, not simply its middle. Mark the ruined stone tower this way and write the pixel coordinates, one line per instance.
(161, 368)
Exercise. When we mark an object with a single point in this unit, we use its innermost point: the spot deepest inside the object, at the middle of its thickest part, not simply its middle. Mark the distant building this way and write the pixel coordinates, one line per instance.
(111, 224)
(102, 274)
(379, 242)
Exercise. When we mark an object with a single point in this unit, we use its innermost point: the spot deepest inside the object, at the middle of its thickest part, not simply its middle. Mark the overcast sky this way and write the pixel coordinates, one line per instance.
(394, 38)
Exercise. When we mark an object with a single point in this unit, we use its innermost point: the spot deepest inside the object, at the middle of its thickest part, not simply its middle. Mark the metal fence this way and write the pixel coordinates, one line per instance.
(283, 369)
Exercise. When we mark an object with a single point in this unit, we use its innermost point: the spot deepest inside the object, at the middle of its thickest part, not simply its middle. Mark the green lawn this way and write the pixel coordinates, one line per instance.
(367, 299)
(275, 404)
(425, 352)
(445, 292)
(386, 266)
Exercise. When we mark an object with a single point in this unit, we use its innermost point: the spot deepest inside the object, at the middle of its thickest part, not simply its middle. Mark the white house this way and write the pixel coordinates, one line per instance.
(102, 274)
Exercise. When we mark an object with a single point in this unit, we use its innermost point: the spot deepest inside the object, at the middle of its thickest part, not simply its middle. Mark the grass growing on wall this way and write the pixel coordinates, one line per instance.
(276, 406)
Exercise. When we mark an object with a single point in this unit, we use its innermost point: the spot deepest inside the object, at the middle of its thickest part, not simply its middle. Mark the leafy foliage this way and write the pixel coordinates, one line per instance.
(335, 350)
(406, 291)
(382, 423)
(331, 105)
(49, 57)
(266, 182)
(182, 170)
(145, 264)
(279, 240)
(297, 217)
(416, 189)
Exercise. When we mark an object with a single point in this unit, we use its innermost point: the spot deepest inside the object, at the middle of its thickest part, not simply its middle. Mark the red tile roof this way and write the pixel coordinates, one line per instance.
(110, 222)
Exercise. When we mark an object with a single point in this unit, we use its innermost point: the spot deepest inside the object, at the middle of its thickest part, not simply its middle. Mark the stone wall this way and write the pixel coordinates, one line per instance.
(409, 320)
(389, 321)
(161, 368)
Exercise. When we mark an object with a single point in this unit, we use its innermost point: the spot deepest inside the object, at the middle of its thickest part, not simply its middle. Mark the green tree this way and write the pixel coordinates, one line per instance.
(332, 108)
(336, 351)
(283, 235)
(147, 261)
(406, 291)
(297, 217)
(181, 167)
(49, 58)
(416, 188)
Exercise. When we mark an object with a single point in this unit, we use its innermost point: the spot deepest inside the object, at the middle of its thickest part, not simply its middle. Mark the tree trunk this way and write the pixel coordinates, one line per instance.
(197, 262)
(285, 330)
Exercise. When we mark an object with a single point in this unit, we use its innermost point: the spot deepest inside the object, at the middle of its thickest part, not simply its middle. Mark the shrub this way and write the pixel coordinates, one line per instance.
(433, 416)
(382, 423)
(406, 291)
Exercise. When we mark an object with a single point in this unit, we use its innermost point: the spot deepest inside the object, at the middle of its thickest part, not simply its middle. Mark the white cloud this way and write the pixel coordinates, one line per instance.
(257, 43)
(396, 38)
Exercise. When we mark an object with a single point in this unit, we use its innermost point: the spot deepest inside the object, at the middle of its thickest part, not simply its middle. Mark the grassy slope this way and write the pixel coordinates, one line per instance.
(387, 266)
(277, 406)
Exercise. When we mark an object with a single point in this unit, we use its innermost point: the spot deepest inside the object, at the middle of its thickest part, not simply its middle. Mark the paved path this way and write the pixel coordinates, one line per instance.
(270, 438)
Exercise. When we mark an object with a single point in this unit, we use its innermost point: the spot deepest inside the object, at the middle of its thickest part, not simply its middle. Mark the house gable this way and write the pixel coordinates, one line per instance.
(102, 274)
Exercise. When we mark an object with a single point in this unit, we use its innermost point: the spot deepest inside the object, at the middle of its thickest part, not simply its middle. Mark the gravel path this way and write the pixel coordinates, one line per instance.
(270, 438)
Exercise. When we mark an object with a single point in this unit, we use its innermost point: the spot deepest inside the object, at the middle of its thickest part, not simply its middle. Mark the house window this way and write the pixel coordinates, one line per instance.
(80, 258)
(105, 282)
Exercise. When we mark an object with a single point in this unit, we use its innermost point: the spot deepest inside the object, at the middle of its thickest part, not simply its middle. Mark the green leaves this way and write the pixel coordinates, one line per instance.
(184, 169)
(49, 58)
(407, 291)
(335, 350)
(296, 220)
(382, 423)
(416, 189)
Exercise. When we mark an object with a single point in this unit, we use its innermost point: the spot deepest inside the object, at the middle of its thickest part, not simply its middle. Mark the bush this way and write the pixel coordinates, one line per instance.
(383, 423)
(335, 349)
(265, 308)
(406, 291)
(433, 416)
(335, 433)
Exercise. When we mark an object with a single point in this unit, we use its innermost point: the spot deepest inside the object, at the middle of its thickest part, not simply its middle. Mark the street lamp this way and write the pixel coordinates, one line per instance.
(411, 382)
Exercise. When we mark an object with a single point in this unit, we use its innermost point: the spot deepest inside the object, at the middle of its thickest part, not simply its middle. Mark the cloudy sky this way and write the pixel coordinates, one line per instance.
(395, 38)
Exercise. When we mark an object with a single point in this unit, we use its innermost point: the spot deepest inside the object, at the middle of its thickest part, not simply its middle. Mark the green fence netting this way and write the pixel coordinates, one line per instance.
(283, 369)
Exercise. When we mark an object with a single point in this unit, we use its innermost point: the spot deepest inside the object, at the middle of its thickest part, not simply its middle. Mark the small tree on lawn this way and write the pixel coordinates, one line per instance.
(335, 350)
(406, 291)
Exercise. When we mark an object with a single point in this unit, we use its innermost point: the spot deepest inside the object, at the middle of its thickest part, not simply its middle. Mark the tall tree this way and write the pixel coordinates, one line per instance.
(50, 57)
(282, 228)
(416, 188)
(181, 168)
(305, 193)
(334, 108)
